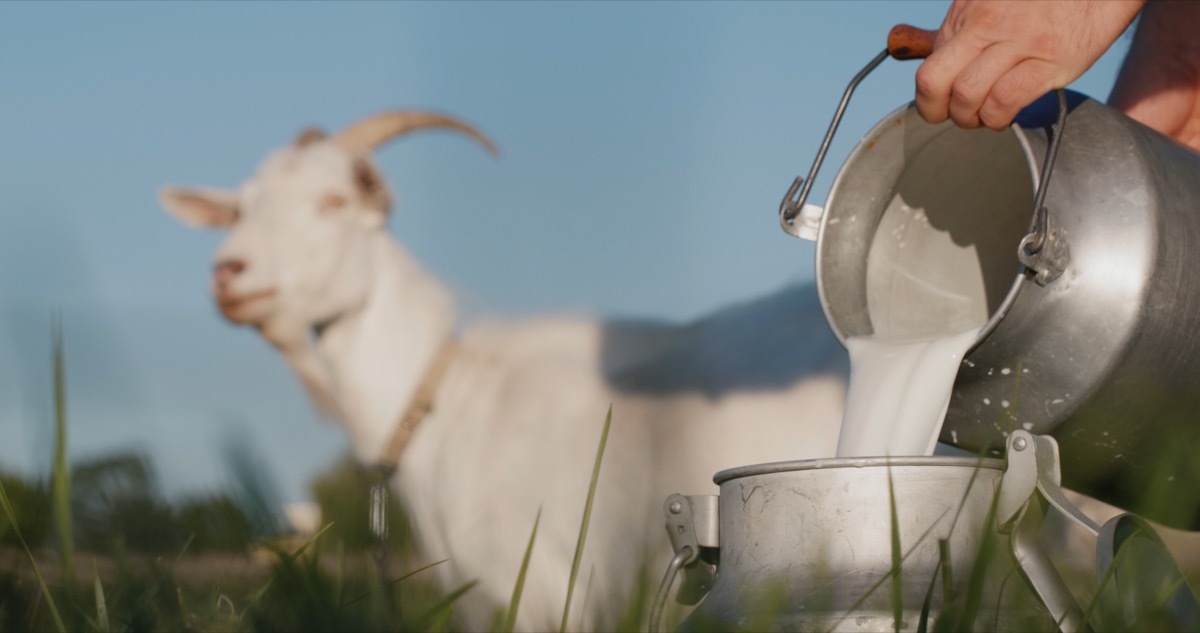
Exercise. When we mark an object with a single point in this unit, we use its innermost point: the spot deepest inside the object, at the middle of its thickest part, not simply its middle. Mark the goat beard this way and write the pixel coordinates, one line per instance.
(294, 341)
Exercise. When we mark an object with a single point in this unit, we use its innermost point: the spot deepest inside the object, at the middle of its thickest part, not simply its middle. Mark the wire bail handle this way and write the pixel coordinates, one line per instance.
(1043, 252)
(904, 42)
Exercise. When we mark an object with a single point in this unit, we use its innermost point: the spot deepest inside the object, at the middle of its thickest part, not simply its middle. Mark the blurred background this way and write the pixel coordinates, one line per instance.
(644, 151)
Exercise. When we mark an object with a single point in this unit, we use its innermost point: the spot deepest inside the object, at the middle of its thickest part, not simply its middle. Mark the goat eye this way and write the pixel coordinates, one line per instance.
(332, 203)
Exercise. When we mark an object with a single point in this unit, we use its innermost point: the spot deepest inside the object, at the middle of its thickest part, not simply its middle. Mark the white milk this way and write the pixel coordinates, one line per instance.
(899, 391)
(934, 275)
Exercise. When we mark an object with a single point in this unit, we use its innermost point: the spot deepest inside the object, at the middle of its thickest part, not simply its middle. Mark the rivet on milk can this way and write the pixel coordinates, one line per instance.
(1085, 288)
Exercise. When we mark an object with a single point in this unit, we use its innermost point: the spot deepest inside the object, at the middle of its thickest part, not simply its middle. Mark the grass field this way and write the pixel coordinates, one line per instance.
(94, 547)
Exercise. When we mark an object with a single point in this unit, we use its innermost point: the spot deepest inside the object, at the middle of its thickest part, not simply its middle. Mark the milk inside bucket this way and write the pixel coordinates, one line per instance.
(1078, 263)
(1059, 256)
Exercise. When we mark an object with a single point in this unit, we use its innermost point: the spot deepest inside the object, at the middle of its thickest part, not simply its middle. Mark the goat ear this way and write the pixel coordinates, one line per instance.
(309, 136)
(200, 208)
(372, 189)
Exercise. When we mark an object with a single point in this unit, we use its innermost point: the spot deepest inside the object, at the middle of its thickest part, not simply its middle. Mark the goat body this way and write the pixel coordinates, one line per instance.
(517, 417)
(517, 425)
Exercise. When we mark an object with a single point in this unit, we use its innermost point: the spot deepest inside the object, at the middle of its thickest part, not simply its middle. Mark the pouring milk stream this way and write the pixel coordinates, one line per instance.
(963, 286)
(974, 301)
(927, 303)
(901, 376)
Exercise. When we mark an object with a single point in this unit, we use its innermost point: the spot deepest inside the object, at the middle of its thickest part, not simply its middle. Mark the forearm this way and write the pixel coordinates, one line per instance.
(1172, 24)
(1159, 82)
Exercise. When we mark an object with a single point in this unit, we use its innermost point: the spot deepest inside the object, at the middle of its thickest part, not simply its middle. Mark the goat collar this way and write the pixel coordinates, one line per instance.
(419, 406)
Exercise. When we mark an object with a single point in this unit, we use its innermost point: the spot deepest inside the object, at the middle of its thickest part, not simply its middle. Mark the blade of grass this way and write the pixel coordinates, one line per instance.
(419, 570)
(587, 516)
(973, 597)
(444, 605)
(897, 580)
(879, 583)
(1000, 597)
(62, 469)
(1102, 588)
(927, 604)
(396, 580)
(588, 595)
(183, 550)
(510, 620)
(183, 609)
(92, 624)
(290, 558)
(947, 569)
(284, 562)
(339, 578)
(233, 612)
(12, 519)
(101, 603)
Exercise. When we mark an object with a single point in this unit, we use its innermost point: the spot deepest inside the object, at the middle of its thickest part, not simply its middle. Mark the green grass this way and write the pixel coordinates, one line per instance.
(510, 618)
(587, 517)
(897, 557)
(62, 472)
(158, 566)
(16, 528)
(101, 623)
(150, 559)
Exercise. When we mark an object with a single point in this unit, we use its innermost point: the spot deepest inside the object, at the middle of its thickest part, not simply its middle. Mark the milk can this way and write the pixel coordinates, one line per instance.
(911, 543)
(808, 546)
(1074, 238)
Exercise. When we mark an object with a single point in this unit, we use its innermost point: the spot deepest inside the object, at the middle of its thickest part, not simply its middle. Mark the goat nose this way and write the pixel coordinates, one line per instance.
(226, 269)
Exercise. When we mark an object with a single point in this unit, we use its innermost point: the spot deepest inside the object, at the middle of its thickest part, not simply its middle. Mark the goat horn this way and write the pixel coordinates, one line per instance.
(371, 132)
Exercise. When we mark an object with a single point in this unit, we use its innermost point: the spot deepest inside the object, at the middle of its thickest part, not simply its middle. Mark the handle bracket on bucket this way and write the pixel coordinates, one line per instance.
(1030, 491)
(1043, 252)
(692, 524)
(1030, 484)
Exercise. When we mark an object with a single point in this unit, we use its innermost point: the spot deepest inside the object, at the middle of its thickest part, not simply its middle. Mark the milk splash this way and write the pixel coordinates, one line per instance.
(899, 392)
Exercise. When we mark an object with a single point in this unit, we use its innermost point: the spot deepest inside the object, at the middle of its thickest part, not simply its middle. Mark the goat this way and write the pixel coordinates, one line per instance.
(491, 425)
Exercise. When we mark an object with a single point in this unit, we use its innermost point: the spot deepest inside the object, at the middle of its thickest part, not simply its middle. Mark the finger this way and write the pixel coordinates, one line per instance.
(936, 76)
(973, 85)
(1017, 88)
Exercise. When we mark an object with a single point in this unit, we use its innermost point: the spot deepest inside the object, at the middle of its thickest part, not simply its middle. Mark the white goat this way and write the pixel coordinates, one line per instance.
(505, 418)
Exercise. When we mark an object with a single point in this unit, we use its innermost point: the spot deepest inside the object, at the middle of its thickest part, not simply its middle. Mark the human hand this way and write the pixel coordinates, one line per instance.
(992, 57)
(1159, 83)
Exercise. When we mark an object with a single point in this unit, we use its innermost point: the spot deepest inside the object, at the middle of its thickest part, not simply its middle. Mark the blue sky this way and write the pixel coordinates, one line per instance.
(644, 151)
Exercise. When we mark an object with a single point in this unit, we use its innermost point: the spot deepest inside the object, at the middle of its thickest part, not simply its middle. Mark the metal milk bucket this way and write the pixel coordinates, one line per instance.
(916, 543)
(1090, 292)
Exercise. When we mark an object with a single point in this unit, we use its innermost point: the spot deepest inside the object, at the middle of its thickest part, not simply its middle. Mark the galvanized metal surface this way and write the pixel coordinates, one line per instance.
(807, 546)
(1033, 467)
(814, 545)
(1106, 358)
(692, 526)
